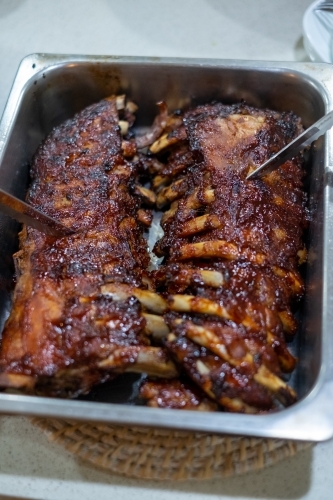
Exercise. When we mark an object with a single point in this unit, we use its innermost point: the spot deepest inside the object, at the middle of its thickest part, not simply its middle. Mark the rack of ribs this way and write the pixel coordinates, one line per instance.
(80, 301)
(232, 248)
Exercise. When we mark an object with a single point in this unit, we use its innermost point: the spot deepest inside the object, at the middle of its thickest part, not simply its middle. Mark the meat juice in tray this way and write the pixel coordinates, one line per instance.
(212, 321)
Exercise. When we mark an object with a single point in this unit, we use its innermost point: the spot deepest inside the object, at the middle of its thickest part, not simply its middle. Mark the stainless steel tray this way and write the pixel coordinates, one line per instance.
(51, 88)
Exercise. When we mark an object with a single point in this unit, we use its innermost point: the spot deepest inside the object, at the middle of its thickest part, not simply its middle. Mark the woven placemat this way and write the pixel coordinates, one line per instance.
(166, 454)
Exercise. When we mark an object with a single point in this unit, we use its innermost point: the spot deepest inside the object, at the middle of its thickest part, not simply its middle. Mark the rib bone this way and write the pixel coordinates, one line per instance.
(150, 360)
(199, 224)
(218, 249)
(237, 405)
(17, 381)
(288, 322)
(151, 300)
(209, 249)
(124, 126)
(190, 303)
(194, 201)
(160, 181)
(156, 326)
(162, 143)
(190, 276)
(275, 384)
(208, 339)
(286, 359)
(169, 213)
(171, 193)
(291, 278)
(148, 195)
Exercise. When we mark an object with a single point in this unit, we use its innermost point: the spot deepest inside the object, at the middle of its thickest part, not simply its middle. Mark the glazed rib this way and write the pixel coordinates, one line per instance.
(176, 394)
(231, 251)
(65, 333)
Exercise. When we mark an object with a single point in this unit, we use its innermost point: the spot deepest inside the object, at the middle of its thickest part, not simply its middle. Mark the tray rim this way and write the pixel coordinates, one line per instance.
(310, 419)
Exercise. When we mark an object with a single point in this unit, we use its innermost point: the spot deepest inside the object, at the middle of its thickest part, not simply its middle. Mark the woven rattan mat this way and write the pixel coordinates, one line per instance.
(165, 454)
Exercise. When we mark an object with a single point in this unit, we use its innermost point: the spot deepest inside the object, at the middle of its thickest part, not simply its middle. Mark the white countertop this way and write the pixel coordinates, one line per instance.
(30, 466)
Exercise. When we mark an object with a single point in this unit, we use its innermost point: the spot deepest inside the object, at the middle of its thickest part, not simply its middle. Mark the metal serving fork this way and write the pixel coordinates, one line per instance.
(325, 5)
(27, 214)
(325, 19)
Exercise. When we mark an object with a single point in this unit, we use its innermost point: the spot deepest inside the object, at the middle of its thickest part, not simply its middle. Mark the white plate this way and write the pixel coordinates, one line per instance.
(318, 33)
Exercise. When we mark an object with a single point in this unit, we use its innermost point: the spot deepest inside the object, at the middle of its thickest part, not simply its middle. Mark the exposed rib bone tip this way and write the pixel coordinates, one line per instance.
(272, 382)
(190, 303)
(156, 326)
(208, 249)
(146, 193)
(151, 300)
(162, 143)
(124, 126)
(214, 279)
(199, 224)
(120, 102)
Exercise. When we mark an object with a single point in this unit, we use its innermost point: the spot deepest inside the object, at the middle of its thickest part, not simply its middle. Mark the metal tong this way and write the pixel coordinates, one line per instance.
(325, 5)
(305, 139)
(21, 211)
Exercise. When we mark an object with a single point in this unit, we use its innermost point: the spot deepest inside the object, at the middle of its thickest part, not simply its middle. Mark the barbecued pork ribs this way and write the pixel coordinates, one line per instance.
(86, 308)
(78, 315)
(232, 248)
(176, 394)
